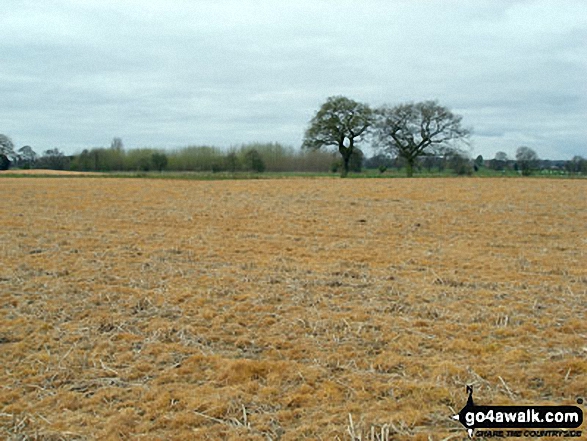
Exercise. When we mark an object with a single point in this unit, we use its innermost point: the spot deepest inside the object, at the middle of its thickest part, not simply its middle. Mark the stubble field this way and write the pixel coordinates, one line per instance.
(282, 309)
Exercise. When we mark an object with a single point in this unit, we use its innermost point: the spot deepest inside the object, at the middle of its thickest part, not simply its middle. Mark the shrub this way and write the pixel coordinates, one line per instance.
(335, 166)
(461, 165)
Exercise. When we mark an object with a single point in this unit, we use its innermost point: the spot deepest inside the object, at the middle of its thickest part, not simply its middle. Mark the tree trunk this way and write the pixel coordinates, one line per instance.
(346, 153)
(410, 167)
(345, 166)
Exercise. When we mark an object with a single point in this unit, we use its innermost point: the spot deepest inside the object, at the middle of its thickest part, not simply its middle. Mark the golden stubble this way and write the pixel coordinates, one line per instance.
(277, 309)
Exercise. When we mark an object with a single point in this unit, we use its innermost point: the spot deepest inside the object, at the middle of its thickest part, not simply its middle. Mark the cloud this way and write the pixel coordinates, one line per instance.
(77, 73)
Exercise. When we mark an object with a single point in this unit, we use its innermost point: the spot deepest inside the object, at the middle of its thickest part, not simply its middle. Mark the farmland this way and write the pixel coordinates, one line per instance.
(275, 309)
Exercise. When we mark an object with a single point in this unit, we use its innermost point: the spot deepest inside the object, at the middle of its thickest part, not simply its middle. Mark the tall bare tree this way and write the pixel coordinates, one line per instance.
(412, 130)
(117, 144)
(341, 123)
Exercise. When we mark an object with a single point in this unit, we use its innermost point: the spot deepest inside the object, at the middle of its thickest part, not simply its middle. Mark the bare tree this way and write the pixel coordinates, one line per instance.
(527, 160)
(341, 123)
(416, 129)
(577, 165)
(6, 152)
(501, 156)
(500, 161)
(6, 146)
(117, 144)
(53, 159)
(26, 156)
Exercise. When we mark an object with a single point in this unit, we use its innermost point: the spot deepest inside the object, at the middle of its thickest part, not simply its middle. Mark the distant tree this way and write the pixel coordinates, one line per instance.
(398, 163)
(7, 147)
(117, 144)
(479, 161)
(576, 165)
(99, 159)
(581, 164)
(501, 156)
(144, 163)
(83, 161)
(431, 161)
(500, 161)
(92, 160)
(381, 159)
(415, 129)
(460, 164)
(53, 159)
(95, 157)
(159, 161)
(427, 161)
(442, 162)
(340, 123)
(26, 156)
(194, 158)
(232, 162)
(527, 160)
(114, 157)
(276, 157)
(254, 161)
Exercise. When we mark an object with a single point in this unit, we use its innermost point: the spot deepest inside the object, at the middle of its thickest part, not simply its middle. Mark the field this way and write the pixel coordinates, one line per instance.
(286, 309)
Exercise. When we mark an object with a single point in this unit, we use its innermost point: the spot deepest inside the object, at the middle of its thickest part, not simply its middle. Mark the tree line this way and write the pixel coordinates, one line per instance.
(408, 136)
(254, 157)
(414, 136)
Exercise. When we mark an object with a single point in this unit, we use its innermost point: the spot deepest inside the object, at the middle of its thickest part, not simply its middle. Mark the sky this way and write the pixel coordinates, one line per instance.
(74, 74)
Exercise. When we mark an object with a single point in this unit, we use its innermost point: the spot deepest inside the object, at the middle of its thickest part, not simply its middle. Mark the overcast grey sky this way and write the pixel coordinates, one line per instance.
(170, 73)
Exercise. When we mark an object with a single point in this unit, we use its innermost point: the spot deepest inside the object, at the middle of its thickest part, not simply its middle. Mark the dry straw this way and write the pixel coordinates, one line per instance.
(285, 309)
